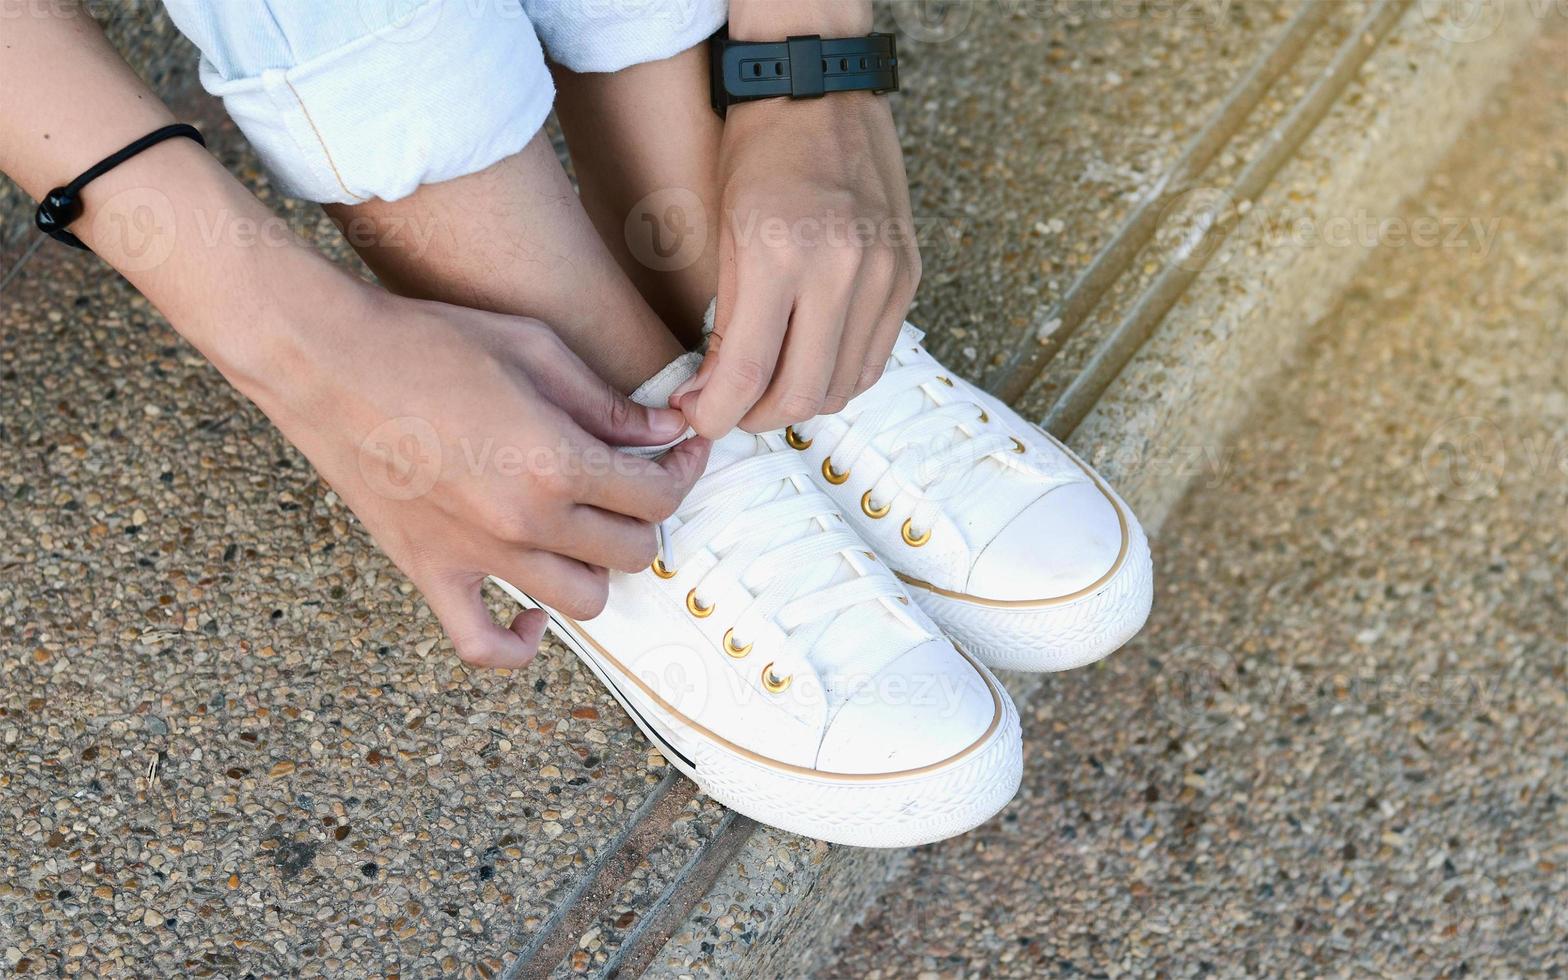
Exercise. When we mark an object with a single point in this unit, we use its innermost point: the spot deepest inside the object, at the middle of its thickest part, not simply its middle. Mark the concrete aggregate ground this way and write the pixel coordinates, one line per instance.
(1339, 748)
(232, 739)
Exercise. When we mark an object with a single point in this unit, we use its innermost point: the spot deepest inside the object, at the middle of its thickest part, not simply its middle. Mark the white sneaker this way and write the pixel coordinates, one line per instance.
(777, 663)
(1012, 543)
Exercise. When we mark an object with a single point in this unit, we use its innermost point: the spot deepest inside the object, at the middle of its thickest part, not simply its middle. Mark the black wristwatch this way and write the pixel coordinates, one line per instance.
(804, 67)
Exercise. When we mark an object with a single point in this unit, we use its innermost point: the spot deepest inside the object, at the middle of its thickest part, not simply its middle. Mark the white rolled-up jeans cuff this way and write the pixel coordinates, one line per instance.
(609, 35)
(447, 91)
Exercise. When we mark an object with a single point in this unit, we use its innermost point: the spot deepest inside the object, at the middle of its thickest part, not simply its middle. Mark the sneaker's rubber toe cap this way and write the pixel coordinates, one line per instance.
(1063, 543)
(929, 706)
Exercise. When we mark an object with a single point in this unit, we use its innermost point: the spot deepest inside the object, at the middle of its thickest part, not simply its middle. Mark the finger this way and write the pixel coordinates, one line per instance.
(648, 489)
(811, 350)
(609, 540)
(891, 320)
(684, 395)
(478, 639)
(746, 355)
(884, 337)
(570, 587)
(860, 334)
(602, 411)
(688, 389)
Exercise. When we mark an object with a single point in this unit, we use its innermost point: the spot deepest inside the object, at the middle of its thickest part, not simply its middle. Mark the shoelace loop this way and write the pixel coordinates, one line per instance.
(934, 453)
(778, 548)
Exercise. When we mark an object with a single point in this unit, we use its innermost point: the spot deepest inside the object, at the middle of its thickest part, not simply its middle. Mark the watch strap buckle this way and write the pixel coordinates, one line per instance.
(805, 67)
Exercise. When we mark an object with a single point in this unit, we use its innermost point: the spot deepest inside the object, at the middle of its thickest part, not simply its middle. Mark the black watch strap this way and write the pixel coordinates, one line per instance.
(804, 67)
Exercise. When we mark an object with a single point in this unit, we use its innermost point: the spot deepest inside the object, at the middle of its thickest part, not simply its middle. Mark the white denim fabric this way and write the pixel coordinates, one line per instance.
(349, 100)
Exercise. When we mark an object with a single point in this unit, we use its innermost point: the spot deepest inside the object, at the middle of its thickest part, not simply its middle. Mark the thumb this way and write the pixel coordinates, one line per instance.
(684, 397)
(616, 420)
(478, 639)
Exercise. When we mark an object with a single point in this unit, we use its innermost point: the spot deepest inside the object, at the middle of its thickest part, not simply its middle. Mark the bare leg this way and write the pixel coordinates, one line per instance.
(514, 239)
(645, 147)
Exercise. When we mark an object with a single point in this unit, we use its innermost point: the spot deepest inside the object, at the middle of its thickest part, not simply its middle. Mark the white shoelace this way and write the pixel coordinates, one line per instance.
(786, 545)
(935, 436)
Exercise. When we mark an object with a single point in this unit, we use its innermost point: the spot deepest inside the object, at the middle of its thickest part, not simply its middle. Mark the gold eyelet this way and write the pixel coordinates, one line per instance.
(696, 608)
(660, 570)
(984, 416)
(946, 380)
(903, 600)
(795, 441)
(774, 684)
(1018, 447)
(910, 538)
(875, 513)
(870, 556)
(730, 648)
(831, 475)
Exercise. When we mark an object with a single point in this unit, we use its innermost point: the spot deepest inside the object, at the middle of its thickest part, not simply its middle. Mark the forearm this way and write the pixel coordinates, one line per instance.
(773, 20)
(171, 220)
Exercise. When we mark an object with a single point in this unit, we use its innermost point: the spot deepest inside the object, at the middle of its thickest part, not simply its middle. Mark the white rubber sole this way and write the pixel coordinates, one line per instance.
(877, 810)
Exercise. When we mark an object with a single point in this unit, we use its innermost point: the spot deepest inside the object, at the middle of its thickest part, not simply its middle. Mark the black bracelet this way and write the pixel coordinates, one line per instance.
(63, 205)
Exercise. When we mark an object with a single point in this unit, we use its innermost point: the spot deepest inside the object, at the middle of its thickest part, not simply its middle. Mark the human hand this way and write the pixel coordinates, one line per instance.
(468, 443)
(818, 262)
(473, 444)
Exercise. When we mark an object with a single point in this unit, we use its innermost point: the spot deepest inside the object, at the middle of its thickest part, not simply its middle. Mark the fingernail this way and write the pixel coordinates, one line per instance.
(666, 422)
(685, 387)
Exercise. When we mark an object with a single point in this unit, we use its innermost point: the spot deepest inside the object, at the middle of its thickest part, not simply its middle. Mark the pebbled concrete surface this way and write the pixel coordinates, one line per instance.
(185, 612)
(1339, 747)
(232, 738)
(179, 596)
(1054, 118)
